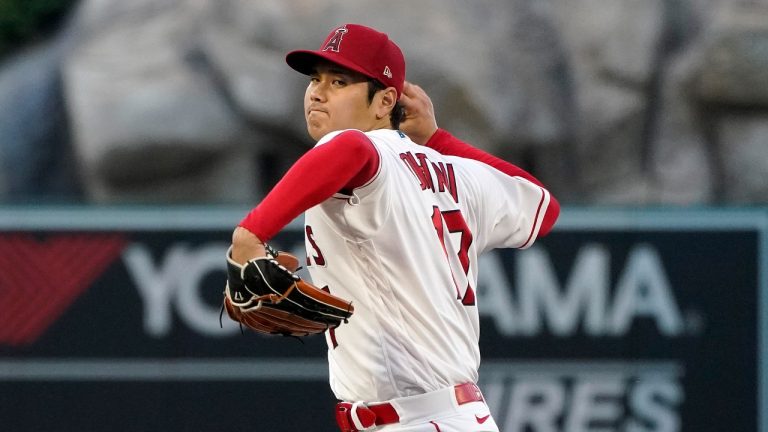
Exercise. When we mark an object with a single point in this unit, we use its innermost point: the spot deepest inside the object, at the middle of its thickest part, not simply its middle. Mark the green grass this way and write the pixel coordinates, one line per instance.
(27, 21)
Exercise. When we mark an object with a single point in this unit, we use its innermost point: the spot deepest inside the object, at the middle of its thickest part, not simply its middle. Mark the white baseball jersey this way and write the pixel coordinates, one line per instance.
(404, 249)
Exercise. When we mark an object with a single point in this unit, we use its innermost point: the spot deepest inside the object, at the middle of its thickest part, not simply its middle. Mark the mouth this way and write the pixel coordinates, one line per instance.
(316, 110)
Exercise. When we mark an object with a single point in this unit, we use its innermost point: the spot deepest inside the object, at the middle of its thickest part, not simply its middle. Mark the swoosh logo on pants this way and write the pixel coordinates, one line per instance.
(482, 420)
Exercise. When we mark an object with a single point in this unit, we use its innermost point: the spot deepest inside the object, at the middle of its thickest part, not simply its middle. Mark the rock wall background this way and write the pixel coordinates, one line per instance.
(628, 102)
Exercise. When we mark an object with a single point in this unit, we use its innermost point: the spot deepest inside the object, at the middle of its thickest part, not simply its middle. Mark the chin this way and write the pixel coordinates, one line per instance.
(315, 134)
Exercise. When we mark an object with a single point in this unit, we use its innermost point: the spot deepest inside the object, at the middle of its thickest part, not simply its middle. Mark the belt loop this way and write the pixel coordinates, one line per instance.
(354, 417)
(362, 417)
(343, 417)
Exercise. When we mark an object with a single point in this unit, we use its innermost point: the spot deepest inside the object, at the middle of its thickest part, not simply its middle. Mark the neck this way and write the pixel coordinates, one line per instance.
(381, 124)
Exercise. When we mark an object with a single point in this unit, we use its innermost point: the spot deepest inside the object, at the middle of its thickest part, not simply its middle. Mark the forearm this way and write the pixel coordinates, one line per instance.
(347, 161)
(448, 144)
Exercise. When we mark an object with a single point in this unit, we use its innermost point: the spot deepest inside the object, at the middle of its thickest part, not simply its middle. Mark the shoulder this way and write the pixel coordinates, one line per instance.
(344, 137)
(350, 147)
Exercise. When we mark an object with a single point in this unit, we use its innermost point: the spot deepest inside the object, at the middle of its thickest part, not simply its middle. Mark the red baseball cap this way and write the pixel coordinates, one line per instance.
(359, 48)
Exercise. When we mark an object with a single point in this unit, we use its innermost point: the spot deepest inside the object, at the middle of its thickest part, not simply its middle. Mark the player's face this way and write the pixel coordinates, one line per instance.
(336, 99)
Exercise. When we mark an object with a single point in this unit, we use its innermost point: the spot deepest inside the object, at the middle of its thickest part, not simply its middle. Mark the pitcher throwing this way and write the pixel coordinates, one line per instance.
(397, 213)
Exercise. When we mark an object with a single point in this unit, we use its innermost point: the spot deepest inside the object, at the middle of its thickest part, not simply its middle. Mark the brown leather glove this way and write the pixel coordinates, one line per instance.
(266, 296)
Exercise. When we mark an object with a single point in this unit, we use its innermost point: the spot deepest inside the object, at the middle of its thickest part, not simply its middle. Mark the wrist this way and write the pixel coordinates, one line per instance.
(242, 234)
(246, 245)
(435, 137)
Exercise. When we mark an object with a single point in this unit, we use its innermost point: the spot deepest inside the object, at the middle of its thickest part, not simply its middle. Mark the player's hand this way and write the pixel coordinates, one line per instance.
(419, 122)
(246, 246)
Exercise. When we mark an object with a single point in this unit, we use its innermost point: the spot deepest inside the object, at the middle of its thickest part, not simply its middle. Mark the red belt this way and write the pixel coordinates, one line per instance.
(383, 414)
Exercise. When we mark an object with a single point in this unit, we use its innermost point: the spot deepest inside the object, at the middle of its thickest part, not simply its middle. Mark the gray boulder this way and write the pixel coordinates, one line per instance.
(149, 122)
(607, 101)
(35, 153)
(730, 86)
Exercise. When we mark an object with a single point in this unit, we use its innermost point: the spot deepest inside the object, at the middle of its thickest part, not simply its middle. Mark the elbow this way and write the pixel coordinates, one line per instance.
(550, 217)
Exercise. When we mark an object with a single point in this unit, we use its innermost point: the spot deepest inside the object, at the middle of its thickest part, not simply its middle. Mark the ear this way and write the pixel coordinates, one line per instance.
(386, 101)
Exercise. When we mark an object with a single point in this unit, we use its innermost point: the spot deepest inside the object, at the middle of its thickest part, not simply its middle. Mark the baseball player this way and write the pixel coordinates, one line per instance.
(397, 228)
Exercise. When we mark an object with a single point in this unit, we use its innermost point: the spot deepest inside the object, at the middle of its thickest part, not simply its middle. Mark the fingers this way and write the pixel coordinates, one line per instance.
(411, 89)
(408, 88)
(414, 98)
(407, 97)
(406, 101)
(419, 122)
(412, 92)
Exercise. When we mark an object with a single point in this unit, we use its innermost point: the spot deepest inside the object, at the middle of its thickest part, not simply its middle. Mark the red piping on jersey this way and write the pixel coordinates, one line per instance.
(536, 218)
(347, 161)
(447, 144)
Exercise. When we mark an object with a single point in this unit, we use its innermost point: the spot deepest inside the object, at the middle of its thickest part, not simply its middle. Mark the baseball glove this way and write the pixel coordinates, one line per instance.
(267, 296)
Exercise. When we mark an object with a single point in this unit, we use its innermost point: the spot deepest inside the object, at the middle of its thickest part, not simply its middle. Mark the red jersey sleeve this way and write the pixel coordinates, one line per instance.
(346, 161)
(447, 144)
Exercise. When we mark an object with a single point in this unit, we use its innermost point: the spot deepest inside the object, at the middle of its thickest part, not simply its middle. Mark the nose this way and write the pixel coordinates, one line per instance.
(317, 91)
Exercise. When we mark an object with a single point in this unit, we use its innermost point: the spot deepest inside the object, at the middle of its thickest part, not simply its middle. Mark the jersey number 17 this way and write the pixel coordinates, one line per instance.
(454, 222)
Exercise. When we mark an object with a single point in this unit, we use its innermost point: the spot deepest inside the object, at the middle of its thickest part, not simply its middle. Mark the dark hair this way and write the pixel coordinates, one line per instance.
(398, 112)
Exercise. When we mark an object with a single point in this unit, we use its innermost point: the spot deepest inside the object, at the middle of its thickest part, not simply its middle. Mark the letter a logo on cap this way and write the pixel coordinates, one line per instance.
(387, 72)
(334, 42)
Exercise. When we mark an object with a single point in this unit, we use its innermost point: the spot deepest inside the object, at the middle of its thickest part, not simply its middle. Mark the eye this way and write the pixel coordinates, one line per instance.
(339, 82)
(314, 79)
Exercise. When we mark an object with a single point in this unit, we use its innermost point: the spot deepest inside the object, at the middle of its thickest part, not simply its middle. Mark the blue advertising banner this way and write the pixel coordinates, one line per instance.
(622, 321)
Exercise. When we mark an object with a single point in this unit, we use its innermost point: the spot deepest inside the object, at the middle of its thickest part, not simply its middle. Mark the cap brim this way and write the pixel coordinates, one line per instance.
(304, 61)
